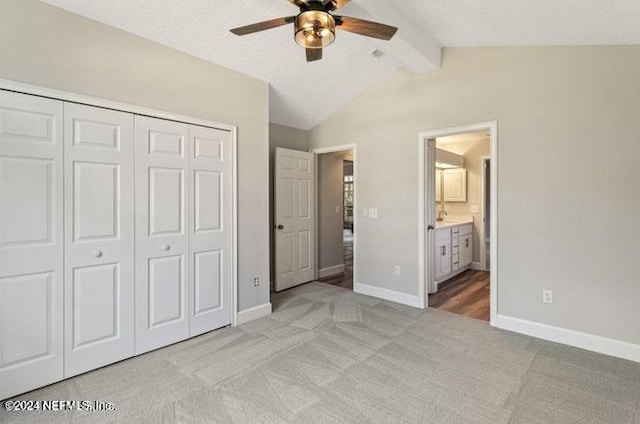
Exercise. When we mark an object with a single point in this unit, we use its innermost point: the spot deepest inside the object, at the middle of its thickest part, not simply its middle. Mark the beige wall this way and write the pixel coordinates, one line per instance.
(567, 212)
(287, 138)
(330, 196)
(472, 151)
(47, 46)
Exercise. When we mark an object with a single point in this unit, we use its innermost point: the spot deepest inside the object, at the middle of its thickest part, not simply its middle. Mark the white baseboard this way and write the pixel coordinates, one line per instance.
(332, 270)
(386, 294)
(253, 313)
(477, 266)
(599, 344)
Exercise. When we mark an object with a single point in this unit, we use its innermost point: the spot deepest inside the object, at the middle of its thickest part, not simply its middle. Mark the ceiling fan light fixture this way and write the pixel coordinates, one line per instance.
(315, 29)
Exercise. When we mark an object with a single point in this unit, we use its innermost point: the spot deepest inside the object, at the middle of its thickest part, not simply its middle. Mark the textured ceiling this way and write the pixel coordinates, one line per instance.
(304, 94)
(457, 23)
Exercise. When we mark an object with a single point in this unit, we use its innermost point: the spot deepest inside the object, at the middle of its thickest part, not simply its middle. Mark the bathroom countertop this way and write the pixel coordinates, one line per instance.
(449, 224)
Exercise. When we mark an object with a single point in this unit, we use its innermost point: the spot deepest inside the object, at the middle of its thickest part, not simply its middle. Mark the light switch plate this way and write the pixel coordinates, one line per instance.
(373, 213)
(365, 213)
(474, 209)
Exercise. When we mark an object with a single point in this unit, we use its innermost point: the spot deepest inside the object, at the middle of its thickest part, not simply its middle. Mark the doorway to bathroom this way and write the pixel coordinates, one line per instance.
(459, 227)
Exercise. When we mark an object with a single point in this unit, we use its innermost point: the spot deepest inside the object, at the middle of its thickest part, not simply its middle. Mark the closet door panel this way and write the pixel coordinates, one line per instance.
(162, 237)
(99, 277)
(31, 243)
(211, 229)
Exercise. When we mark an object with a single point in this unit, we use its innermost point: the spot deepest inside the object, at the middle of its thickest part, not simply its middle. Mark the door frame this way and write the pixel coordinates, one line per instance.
(483, 191)
(66, 96)
(333, 149)
(424, 220)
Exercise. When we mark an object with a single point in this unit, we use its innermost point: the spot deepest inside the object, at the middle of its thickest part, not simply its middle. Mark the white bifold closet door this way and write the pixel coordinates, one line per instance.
(211, 234)
(162, 238)
(99, 219)
(184, 231)
(31, 243)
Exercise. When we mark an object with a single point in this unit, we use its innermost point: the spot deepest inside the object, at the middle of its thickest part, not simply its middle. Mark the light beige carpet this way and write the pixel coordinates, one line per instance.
(327, 355)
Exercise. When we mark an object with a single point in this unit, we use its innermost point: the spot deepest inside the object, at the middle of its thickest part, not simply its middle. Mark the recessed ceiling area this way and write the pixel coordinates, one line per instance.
(304, 94)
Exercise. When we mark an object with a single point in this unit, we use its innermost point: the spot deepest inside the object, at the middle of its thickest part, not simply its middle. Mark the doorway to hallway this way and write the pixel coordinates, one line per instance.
(335, 215)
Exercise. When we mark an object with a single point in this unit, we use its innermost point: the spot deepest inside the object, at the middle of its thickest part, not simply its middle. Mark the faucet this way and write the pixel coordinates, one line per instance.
(441, 215)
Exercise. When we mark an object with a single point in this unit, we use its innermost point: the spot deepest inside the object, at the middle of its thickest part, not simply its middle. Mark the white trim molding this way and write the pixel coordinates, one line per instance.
(254, 313)
(586, 341)
(386, 294)
(329, 271)
(331, 149)
(51, 93)
(423, 137)
(477, 266)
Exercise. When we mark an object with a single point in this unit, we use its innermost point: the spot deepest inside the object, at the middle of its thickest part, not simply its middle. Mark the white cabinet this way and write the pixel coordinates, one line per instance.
(99, 291)
(466, 246)
(31, 243)
(116, 236)
(454, 250)
(443, 253)
(455, 185)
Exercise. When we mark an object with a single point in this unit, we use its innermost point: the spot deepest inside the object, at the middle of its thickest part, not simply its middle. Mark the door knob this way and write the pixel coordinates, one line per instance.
(96, 254)
(166, 247)
(280, 227)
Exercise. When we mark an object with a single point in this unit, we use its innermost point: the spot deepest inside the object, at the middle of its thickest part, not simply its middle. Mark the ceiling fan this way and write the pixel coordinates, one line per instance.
(315, 26)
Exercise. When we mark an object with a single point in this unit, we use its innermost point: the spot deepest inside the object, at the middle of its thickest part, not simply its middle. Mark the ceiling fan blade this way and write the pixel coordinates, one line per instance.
(261, 26)
(299, 3)
(331, 5)
(314, 54)
(366, 28)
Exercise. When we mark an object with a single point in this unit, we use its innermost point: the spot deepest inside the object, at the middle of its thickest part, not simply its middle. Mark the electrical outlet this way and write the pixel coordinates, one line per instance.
(396, 270)
(256, 282)
(547, 296)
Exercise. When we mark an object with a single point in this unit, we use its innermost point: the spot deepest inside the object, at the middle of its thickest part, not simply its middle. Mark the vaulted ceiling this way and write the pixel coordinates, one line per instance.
(304, 94)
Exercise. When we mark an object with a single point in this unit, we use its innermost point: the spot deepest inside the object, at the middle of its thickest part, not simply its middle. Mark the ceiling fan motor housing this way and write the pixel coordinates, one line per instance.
(315, 29)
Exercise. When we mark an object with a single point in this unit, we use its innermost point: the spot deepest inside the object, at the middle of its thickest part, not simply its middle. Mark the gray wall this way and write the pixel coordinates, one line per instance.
(47, 46)
(330, 223)
(568, 207)
(288, 138)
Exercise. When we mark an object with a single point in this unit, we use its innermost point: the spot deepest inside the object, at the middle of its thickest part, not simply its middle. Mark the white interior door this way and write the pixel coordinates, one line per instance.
(162, 233)
(31, 243)
(211, 238)
(430, 209)
(294, 220)
(99, 219)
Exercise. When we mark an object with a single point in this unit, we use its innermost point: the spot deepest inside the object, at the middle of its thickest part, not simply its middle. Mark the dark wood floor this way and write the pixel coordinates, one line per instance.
(346, 278)
(465, 294)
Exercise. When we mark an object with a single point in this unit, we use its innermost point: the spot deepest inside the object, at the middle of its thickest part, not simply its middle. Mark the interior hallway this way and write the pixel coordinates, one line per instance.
(344, 280)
